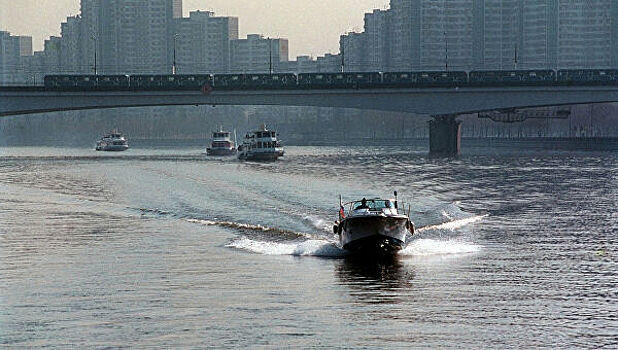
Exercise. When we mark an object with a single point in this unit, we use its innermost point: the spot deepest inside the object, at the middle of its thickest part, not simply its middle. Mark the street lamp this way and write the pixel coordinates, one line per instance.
(270, 55)
(94, 38)
(445, 52)
(342, 54)
(174, 62)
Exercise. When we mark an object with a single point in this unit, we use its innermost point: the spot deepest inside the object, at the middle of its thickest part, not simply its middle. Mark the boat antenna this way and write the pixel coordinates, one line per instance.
(396, 204)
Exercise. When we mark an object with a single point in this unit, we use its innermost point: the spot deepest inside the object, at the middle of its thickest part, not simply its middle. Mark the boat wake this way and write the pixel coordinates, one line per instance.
(311, 247)
(429, 247)
(440, 246)
(249, 227)
(324, 248)
(318, 223)
(452, 225)
(266, 240)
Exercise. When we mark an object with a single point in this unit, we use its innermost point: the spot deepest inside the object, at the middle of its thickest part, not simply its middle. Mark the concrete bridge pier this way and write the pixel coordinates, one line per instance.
(444, 135)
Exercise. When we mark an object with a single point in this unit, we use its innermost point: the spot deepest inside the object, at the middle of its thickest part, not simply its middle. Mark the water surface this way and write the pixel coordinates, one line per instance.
(164, 247)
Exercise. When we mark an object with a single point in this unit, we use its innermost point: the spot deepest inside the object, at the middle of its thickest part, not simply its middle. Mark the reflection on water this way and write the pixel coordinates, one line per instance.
(374, 279)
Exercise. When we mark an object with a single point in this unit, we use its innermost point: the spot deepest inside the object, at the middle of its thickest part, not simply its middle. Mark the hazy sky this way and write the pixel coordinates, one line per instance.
(312, 26)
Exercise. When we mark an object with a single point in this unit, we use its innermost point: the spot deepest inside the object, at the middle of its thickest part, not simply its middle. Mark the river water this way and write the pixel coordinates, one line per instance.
(162, 247)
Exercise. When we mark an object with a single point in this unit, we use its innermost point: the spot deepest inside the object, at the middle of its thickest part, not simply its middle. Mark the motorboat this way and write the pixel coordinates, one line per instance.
(373, 226)
(113, 141)
(261, 145)
(221, 144)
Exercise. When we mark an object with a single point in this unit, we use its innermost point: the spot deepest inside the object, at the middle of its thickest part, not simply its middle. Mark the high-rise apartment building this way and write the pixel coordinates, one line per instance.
(371, 49)
(548, 34)
(496, 25)
(503, 34)
(377, 31)
(537, 35)
(353, 48)
(586, 33)
(71, 47)
(446, 34)
(405, 34)
(430, 35)
(89, 34)
(202, 42)
(52, 58)
(25, 46)
(14, 52)
(302, 64)
(329, 63)
(131, 36)
(257, 54)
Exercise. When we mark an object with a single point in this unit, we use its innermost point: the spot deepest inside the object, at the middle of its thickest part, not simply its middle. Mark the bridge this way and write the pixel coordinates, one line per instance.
(444, 104)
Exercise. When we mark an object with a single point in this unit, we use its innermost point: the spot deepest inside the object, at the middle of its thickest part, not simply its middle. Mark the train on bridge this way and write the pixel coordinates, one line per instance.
(352, 80)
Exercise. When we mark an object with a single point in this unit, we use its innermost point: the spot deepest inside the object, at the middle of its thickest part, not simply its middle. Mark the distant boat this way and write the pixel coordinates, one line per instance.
(261, 145)
(221, 144)
(113, 141)
(372, 226)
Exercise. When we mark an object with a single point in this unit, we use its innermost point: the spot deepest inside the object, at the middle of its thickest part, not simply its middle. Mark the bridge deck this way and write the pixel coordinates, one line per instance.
(431, 101)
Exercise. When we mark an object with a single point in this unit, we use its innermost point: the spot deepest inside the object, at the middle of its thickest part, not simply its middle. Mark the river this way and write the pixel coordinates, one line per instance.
(162, 247)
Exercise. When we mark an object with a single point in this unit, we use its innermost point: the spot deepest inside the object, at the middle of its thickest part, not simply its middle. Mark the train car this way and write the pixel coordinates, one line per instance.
(363, 80)
(146, 82)
(588, 77)
(315, 80)
(513, 78)
(442, 79)
(170, 82)
(192, 81)
(229, 81)
(539, 77)
(54, 82)
(357, 80)
(112, 82)
(424, 79)
(86, 82)
(70, 82)
(270, 81)
(400, 79)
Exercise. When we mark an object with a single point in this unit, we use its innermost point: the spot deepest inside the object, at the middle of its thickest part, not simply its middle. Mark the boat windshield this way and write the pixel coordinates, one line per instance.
(373, 204)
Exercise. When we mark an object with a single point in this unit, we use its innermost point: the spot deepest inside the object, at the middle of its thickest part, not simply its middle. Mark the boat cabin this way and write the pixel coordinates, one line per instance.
(265, 134)
(386, 206)
(221, 134)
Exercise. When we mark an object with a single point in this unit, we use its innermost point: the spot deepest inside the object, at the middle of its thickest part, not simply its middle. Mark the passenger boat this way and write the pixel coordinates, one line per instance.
(261, 145)
(113, 141)
(221, 144)
(373, 226)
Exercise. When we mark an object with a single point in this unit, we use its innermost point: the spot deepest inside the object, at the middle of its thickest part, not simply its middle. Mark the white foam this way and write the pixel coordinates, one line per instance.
(238, 225)
(453, 225)
(307, 248)
(319, 223)
(426, 247)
